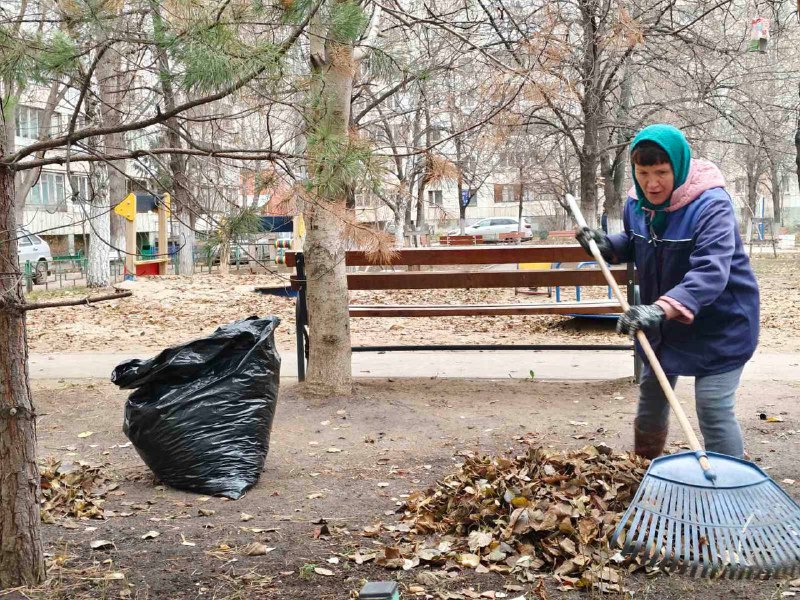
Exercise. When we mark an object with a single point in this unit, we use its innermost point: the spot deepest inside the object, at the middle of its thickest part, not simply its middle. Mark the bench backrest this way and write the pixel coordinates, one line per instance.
(509, 277)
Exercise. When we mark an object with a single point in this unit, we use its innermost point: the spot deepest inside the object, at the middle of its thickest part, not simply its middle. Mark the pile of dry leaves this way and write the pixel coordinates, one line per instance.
(74, 489)
(542, 512)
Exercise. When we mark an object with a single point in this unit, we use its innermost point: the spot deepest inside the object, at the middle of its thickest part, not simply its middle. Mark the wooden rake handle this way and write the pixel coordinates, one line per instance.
(694, 443)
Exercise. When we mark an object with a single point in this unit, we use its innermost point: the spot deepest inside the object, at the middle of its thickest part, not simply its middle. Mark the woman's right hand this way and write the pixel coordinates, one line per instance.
(585, 235)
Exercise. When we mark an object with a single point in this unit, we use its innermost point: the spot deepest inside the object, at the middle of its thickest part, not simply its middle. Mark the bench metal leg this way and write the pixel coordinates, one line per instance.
(632, 299)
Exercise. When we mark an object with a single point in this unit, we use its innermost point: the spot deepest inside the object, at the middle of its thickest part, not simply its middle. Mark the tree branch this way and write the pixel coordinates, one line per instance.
(231, 153)
(77, 302)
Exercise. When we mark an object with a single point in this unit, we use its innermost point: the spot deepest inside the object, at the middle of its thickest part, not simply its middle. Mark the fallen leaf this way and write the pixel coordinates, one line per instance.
(479, 539)
(323, 571)
(150, 535)
(114, 576)
(245, 517)
(85, 434)
(255, 549)
(314, 496)
(469, 560)
(332, 450)
(102, 545)
(185, 542)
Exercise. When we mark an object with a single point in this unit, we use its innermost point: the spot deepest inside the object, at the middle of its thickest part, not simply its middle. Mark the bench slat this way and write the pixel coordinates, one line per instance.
(477, 255)
(431, 280)
(479, 310)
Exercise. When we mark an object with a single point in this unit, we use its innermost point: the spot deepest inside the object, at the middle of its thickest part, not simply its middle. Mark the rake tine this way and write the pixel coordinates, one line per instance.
(769, 531)
(653, 547)
(663, 519)
(745, 547)
(715, 537)
(783, 549)
(723, 511)
(673, 531)
(704, 518)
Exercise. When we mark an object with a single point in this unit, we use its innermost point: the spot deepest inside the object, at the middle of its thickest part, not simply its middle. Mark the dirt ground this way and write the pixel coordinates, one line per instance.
(171, 310)
(405, 433)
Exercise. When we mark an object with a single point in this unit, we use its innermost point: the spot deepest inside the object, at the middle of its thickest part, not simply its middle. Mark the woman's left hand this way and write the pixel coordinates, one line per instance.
(643, 316)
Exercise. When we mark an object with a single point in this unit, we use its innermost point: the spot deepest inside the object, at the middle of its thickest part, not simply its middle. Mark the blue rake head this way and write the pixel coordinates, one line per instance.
(741, 524)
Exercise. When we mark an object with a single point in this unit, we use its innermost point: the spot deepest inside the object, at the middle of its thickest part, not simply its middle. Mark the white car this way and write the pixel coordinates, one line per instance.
(31, 248)
(494, 226)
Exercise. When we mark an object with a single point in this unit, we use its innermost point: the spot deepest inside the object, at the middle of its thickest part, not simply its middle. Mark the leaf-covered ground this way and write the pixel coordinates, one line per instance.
(171, 310)
(349, 477)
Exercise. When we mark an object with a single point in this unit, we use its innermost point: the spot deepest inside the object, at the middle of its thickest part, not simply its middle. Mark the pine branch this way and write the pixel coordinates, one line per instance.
(12, 160)
(77, 302)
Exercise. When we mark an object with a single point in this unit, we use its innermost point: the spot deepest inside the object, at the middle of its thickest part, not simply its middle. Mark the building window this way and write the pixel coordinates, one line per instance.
(469, 197)
(79, 185)
(435, 197)
(48, 191)
(28, 122)
(56, 124)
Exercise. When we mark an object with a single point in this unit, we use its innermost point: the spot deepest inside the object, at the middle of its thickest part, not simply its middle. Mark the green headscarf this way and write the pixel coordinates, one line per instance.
(673, 142)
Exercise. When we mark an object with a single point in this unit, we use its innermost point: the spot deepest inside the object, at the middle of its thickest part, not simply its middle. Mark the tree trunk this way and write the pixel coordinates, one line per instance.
(588, 171)
(186, 240)
(421, 203)
(98, 272)
(21, 553)
(329, 362)
(520, 198)
(797, 150)
(225, 257)
(591, 107)
(777, 196)
(401, 204)
(181, 193)
(114, 84)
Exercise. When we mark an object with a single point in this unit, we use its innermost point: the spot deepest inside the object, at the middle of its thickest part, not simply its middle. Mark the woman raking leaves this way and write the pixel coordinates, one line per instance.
(699, 298)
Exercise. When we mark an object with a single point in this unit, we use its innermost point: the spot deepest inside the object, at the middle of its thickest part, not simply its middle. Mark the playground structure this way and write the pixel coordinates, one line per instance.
(136, 203)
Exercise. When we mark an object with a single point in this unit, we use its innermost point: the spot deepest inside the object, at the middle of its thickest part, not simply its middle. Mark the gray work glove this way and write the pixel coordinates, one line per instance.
(585, 235)
(643, 316)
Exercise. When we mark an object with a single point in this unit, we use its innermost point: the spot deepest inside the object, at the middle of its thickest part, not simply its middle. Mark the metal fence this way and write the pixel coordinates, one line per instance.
(70, 271)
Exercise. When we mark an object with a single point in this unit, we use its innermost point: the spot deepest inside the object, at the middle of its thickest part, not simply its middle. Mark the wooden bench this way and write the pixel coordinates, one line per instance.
(567, 233)
(511, 237)
(507, 258)
(460, 240)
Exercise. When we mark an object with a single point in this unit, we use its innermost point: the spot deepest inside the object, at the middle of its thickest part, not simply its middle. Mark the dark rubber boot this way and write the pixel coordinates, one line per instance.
(649, 444)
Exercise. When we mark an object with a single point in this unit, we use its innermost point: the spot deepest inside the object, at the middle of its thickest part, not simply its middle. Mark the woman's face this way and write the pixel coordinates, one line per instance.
(656, 181)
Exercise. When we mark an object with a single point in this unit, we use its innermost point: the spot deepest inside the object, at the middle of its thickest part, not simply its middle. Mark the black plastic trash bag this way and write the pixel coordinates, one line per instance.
(201, 413)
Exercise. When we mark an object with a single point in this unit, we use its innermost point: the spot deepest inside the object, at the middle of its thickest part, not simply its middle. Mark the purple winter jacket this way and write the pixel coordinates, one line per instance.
(700, 262)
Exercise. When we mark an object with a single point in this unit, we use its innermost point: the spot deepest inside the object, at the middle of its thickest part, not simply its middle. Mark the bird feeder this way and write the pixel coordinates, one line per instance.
(132, 205)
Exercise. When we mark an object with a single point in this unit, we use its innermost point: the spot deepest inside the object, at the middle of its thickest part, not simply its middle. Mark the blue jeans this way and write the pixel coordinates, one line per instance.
(715, 397)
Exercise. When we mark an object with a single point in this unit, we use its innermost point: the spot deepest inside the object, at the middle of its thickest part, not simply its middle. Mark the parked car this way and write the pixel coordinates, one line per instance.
(493, 227)
(31, 248)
